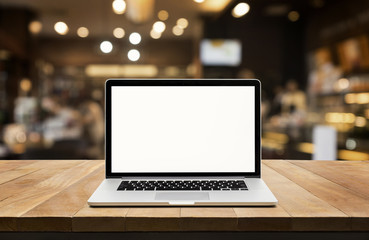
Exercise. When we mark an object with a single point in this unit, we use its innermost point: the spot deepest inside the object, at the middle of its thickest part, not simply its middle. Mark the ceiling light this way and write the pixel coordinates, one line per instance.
(133, 55)
(159, 26)
(35, 27)
(163, 15)
(119, 32)
(154, 34)
(240, 10)
(61, 28)
(135, 38)
(293, 16)
(119, 6)
(215, 6)
(178, 31)
(106, 47)
(199, 1)
(82, 32)
(182, 23)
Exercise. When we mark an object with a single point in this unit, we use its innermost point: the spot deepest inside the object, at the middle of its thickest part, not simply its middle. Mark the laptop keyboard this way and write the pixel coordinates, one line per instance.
(191, 185)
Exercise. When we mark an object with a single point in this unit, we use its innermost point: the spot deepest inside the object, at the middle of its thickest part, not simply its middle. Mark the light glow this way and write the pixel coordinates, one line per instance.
(119, 32)
(135, 38)
(35, 27)
(119, 6)
(360, 121)
(336, 117)
(26, 84)
(240, 10)
(106, 47)
(343, 83)
(293, 16)
(82, 32)
(178, 31)
(154, 34)
(163, 15)
(159, 27)
(182, 23)
(61, 28)
(133, 55)
(357, 98)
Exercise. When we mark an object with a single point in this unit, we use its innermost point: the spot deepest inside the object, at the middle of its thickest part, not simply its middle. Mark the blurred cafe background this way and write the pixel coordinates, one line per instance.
(312, 57)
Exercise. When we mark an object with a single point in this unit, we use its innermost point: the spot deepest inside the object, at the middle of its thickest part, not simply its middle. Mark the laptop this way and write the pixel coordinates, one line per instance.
(182, 143)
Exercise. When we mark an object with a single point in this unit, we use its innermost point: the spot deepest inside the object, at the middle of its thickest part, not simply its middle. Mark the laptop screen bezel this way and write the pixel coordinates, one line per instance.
(180, 82)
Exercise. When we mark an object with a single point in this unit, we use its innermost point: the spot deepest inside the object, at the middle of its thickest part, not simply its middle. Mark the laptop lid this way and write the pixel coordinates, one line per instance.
(182, 127)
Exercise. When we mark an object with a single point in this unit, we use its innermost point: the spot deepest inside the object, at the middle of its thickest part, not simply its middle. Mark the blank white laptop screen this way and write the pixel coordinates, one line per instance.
(158, 129)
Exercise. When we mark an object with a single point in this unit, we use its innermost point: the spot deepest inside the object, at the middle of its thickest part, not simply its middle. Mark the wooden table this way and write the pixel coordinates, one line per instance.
(51, 195)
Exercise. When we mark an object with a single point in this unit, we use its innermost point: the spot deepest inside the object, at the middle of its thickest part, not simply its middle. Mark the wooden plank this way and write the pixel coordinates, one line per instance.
(54, 197)
(6, 165)
(99, 219)
(208, 219)
(19, 171)
(153, 219)
(56, 213)
(352, 175)
(338, 196)
(308, 212)
(263, 219)
(17, 205)
(342, 198)
(46, 170)
(22, 185)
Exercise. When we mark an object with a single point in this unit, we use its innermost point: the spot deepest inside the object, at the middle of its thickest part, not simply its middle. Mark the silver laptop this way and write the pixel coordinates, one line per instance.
(182, 143)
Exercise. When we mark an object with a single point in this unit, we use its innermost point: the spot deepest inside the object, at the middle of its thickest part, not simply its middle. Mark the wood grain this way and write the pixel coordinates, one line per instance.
(208, 219)
(20, 186)
(99, 219)
(307, 211)
(313, 196)
(352, 175)
(153, 219)
(6, 165)
(19, 171)
(56, 213)
(336, 195)
(263, 219)
(25, 183)
(18, 204)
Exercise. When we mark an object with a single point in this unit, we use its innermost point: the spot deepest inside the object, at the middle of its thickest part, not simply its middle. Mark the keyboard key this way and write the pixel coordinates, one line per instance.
(194, 185)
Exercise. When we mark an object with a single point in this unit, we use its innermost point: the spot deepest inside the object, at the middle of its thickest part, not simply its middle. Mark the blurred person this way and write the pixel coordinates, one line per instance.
(293, 104)
(63, 123)
(276, 106)
(293, 100)
(93, 128)
(324, 74)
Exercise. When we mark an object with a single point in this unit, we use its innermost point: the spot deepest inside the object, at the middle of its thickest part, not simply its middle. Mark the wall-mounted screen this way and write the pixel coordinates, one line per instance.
(220, 52)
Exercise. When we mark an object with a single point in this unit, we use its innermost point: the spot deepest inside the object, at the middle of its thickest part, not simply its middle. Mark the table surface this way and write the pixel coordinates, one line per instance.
(51, 195)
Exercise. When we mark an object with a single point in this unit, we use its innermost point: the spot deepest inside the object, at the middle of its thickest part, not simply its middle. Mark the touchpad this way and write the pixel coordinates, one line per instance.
(181, 196)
